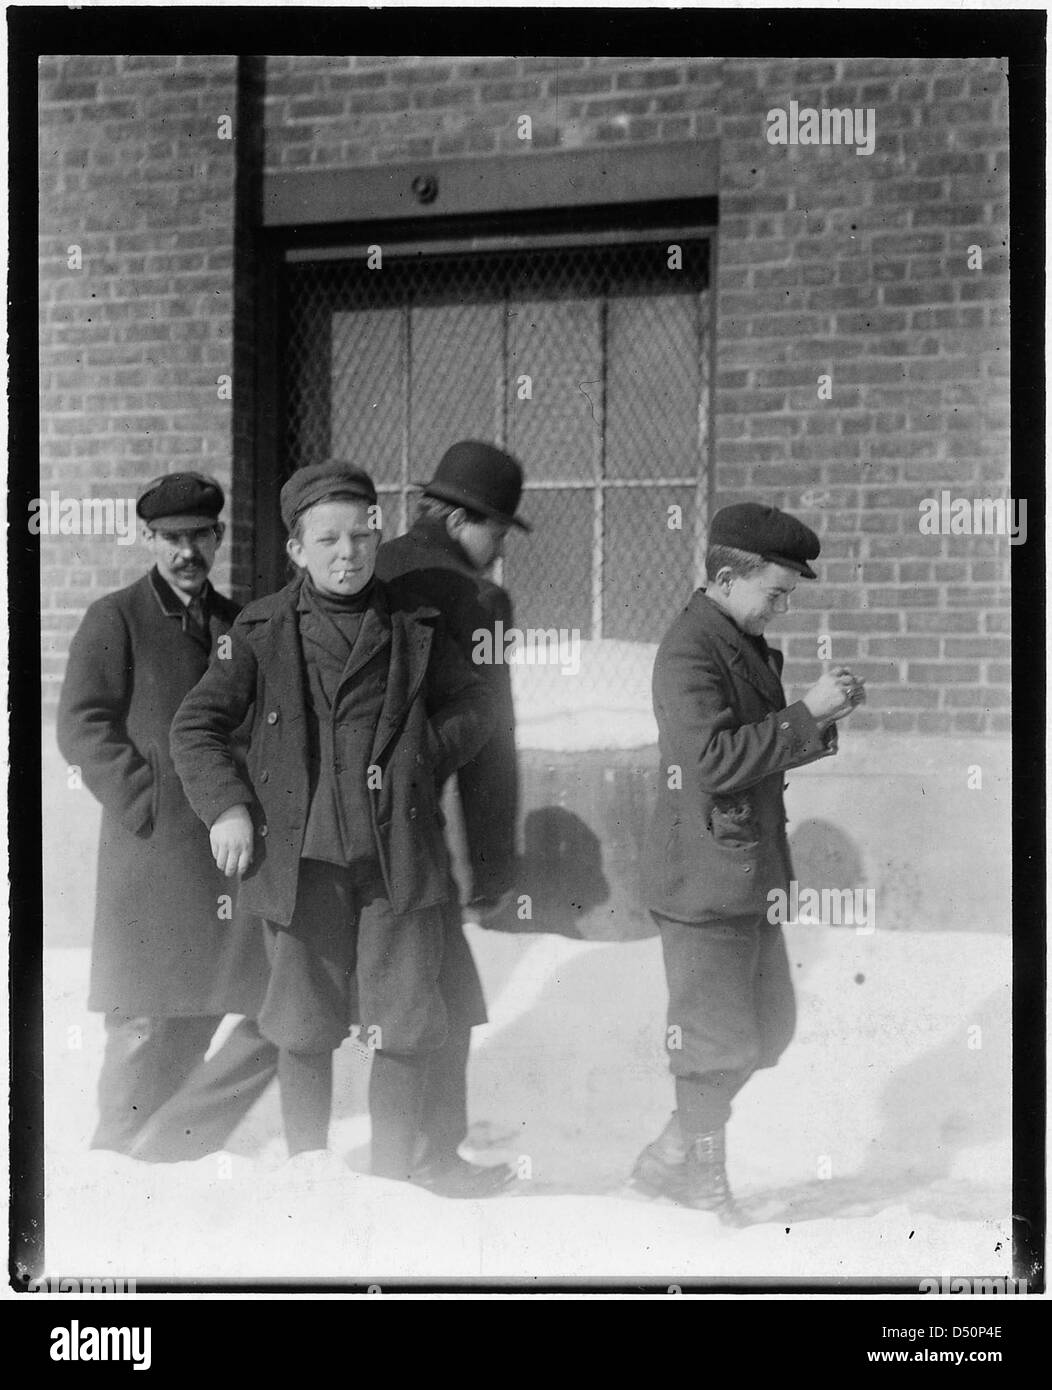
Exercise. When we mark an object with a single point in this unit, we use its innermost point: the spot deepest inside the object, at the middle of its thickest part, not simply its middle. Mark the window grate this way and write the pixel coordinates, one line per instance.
(590, 363)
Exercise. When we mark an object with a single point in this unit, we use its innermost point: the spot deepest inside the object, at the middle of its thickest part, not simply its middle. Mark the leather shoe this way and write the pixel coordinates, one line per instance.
(458, 1178)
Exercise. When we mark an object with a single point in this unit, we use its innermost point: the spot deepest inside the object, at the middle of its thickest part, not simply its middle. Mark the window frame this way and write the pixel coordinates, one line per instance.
(615, 225)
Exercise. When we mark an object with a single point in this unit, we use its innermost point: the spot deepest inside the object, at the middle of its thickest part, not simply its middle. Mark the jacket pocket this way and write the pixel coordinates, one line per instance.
(153, 762)
(732, 824)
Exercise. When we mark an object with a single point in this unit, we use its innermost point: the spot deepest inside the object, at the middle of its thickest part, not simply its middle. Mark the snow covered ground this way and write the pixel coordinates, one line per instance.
(878, 1148)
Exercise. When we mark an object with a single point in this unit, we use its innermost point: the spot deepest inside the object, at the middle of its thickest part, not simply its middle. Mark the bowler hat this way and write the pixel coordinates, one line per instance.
(481, 478)
(179, 495)
(320, 482)
(767, 532)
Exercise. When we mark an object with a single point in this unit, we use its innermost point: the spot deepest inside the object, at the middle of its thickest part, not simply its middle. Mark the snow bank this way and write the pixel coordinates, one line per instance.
(606, 704)
(878, 1148)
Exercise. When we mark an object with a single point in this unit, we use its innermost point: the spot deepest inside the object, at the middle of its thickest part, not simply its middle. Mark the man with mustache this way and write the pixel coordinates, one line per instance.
(167, 961)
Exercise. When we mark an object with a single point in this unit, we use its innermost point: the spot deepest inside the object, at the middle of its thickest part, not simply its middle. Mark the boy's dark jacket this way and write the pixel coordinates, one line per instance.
(717, 844)
(436, 714)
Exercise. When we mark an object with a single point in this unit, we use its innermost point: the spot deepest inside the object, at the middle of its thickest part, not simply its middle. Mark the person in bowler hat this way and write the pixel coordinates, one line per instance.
(717, 845)
(167, 961)
(360, 705)
(463, 517)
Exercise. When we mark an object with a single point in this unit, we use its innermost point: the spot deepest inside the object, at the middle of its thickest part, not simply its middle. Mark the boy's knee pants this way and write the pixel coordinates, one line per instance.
(344, 956)
(731, 1003)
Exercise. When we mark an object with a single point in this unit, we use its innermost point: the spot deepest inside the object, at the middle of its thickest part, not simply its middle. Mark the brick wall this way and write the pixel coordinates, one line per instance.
(828, 263)
(133, 172)
(335, 112)
(857, 266)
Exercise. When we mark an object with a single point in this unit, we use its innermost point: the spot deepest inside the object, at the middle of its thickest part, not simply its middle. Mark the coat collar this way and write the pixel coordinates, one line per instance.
(169, 601)
(274, 620)
(430, 532)
(744, 656)
(373, 634)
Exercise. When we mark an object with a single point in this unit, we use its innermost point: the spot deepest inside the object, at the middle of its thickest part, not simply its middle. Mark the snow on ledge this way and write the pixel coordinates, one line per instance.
(604, 703)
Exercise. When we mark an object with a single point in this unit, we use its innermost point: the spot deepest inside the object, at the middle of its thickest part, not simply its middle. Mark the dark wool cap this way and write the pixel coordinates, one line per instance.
(480, 477)
(324, 482)
(180, 494)
(765, 531)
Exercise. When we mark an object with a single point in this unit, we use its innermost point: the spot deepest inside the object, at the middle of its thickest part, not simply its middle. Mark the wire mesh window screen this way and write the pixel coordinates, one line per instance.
(589, 363)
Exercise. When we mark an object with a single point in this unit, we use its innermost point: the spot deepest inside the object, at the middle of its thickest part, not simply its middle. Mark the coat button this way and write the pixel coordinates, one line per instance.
(272, 717)
(783, 725)
(264, 776)
(263, 831)
(747, 868)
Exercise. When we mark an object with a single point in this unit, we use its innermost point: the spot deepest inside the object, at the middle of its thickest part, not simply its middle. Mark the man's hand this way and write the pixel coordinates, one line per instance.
(231, 837)
(834, 696)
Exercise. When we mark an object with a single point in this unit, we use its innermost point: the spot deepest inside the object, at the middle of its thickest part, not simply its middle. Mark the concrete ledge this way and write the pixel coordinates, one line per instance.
(892, 815)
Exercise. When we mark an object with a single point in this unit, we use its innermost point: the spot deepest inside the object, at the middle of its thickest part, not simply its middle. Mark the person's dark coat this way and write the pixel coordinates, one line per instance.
(717, 844)
(431, 561)
(164, 944)
(435, 715)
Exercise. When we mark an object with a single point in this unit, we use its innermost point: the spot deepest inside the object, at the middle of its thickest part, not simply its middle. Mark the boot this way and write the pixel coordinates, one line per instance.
(706, 1186)
(660, 1170)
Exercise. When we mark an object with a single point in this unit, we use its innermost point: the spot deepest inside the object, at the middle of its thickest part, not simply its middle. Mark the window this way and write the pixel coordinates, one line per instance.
(589, 362)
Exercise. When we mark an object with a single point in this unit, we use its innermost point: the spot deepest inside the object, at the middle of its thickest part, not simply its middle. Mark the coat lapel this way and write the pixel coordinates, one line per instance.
(410, 653)
(373, 636)
(321, 630)
(279, 646)
(745, 659)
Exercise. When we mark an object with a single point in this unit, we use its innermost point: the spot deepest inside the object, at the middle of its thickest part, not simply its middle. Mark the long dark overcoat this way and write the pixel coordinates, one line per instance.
(428, 558)
(435, 714)
(165, 944)
(717, 844)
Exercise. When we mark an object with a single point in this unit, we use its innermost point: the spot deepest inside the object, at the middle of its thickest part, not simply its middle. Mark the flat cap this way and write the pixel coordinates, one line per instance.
(180, 495)
(767, 532)
(323, 482)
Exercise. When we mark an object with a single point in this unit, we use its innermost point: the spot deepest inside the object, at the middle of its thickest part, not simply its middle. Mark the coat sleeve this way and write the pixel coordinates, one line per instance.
(92, 718)
(460, 703)
(207, 757)
(701, 730)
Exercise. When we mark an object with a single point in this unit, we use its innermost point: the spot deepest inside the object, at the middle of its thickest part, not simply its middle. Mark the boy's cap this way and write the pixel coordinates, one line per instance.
(765, 531)
(320, 482)
(180, 497)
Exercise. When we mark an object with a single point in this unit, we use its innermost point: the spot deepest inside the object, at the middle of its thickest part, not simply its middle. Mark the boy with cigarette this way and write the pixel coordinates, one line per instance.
(360, 706)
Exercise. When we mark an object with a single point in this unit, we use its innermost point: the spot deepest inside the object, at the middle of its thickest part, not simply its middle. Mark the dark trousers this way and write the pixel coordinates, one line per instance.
(145, 1063)
(216, 1096)
(220, 1092)
(731, 1011)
